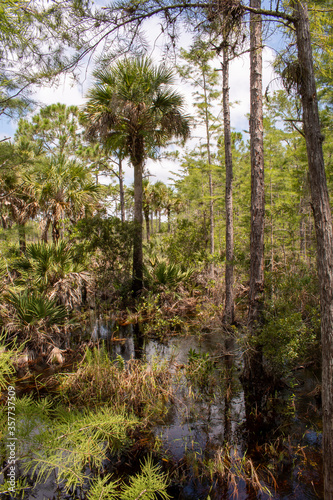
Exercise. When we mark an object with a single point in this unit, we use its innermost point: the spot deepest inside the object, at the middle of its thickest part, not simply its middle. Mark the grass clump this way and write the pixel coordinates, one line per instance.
(139, 387)
(229, 468)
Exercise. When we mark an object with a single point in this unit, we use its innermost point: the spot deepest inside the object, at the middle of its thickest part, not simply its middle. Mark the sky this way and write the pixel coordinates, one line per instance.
(67, 93)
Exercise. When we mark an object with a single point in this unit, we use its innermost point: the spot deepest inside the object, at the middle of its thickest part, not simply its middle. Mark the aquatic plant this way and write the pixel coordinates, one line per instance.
(230, 468)
(149, 484)
(7, 355)
(141, 388)
(66, 442)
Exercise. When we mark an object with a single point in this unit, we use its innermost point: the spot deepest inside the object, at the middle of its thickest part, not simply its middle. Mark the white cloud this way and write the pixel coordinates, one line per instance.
(67, 93)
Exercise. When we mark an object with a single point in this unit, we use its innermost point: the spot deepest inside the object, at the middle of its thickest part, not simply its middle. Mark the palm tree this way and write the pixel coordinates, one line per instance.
(132, 108)
(64, 189)
(172, 203)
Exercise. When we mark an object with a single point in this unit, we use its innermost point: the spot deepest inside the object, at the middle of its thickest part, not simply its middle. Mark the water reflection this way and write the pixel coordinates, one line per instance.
(200, 426)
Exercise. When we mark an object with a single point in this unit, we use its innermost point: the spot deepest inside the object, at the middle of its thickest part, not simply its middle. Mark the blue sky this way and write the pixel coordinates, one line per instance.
(239, 95)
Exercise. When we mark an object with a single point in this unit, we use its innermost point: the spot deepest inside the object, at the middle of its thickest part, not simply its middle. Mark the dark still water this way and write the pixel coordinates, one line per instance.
(207, 426)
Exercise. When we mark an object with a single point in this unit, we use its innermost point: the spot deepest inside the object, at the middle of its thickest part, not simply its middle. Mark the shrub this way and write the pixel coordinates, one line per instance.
(291, 332)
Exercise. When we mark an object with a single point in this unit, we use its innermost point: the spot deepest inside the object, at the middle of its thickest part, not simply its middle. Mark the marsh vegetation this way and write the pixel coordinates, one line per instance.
(166, 340)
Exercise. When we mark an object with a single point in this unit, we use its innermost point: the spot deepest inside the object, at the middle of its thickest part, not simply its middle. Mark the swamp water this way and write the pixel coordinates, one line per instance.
(208, 413)
(207, 419)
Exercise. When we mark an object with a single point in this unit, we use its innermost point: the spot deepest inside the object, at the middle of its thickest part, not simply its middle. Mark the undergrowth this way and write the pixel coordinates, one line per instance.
(141, 388)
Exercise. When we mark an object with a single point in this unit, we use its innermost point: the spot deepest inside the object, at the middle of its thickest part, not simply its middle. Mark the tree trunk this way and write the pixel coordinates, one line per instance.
(211, 213)
(146, 214)
(55, 232)
(228, 316)
(323, 227)
(22, 238)
(272, 224)
(210, 177)
(137, 244)
(253, 361)
(45, 230)
(121, 191)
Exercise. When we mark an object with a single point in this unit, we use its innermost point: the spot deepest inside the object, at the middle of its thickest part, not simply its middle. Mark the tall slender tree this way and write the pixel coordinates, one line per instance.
(229, 238)
(323, 226)
(132, 106)
(205, 80)
(253, 365)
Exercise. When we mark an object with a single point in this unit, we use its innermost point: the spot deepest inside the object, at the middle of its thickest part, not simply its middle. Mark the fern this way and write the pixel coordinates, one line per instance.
(75, 440)
(6, 362)
(104, 489)
(149, 484)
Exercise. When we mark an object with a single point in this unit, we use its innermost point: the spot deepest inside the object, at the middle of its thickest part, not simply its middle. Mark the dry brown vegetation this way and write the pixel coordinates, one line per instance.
(140, 388)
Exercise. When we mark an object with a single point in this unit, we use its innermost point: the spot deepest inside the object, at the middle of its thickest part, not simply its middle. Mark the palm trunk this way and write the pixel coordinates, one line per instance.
(55, 232)
(152, 222)
(45, 231)
(138, 233)
(228, 316)
(22, 238)
(253, 361)
(323, 226)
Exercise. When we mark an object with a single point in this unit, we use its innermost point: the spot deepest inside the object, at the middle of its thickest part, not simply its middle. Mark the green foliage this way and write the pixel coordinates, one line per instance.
(73, 444)
(108, 243)
(104, 489)
(6, 362)
(188, 243)
(76, 440)
(149, 484)
(68, 443)
(43, 265)
(291, 331)
(31, 309)
(135, 87)
(98, 380)
(167, 275)
(34, 318)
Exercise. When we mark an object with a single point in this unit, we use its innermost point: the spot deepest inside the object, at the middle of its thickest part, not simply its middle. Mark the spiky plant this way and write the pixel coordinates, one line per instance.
(52, 269)
(34, 318)
(167, 274)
